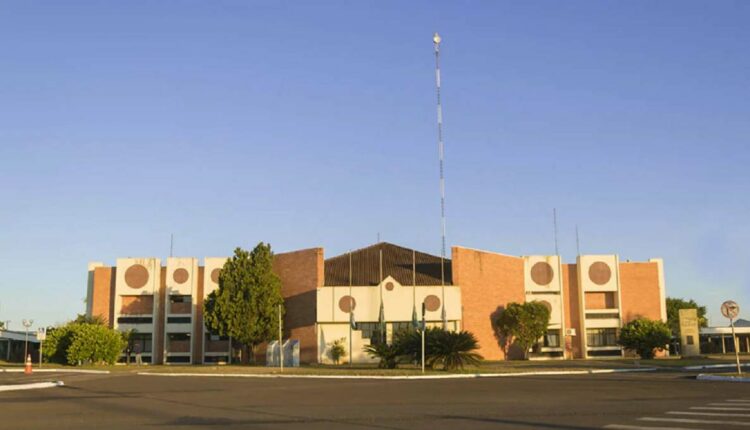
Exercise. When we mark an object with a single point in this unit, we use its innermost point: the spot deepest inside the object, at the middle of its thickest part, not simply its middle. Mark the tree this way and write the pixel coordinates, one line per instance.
(245, 306)
(94, 319)
(522, 323)
(673, 313)
(644, 336)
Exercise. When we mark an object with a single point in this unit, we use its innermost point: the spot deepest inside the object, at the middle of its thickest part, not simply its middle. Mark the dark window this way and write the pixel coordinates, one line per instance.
(602, 316)
(552, 339)
(605, 353)
(690, 340)
(134, 320)
(178, 320)
(141, 342)
(372, 331)
(178, 359)
(601, 337)
(180, 299)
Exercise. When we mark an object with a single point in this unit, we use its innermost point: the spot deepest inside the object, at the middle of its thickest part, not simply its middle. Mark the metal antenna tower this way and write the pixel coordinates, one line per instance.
(441, 152)
(554, 220)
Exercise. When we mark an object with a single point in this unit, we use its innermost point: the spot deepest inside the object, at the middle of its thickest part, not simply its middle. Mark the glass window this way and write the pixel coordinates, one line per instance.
(372, 331)
(140, 342)
(601, 337)
(552, 339)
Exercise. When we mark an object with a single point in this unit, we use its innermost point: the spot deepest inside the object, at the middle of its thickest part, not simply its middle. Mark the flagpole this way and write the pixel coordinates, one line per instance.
(441, 152)
(381, 317)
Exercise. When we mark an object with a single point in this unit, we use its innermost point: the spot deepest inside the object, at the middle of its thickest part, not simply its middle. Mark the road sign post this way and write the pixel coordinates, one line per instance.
(41, 336)
(731, 309)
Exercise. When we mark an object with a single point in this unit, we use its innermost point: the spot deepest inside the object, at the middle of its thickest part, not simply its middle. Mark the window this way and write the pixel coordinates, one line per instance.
(134, 320)
(180, 299)
(178, 320)
(690, 340)
(552, 339)
(372, 331)
(178, 342)
(141, 342)
(601, 337)
(402, 326)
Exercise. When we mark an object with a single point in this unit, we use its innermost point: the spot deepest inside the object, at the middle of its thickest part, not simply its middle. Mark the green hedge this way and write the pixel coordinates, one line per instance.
(77, 343)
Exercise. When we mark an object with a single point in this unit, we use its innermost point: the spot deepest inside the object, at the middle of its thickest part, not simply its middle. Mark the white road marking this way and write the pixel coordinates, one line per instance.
(731, 405)
(625, 427)
(32, 386)
(694, 421)
(714, 414)
(712, 408)
(738, 400)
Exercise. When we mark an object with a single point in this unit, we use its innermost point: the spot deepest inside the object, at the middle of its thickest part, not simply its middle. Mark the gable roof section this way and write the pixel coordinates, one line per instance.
(397, 262)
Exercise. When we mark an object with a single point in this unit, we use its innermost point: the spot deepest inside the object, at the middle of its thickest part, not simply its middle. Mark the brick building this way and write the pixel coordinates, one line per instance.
(589, 299)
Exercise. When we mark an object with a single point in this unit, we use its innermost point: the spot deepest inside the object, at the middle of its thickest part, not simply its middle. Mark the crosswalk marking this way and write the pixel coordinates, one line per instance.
(713, 414)
(729, 413)
(694, 421)
(626, 427)
(713, 408)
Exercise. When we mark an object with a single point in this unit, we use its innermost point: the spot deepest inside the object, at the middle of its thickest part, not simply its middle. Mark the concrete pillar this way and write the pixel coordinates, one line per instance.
(723, 345)
(747, 344)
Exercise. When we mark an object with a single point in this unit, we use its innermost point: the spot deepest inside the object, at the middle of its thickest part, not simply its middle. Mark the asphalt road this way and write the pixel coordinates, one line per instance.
(127, 401)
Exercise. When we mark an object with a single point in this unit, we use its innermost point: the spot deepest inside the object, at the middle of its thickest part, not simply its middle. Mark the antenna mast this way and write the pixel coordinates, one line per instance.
(554, 220)
(436, 42)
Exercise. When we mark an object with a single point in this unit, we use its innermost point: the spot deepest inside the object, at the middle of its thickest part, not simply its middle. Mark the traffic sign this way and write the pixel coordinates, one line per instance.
(730, 309)
(41, 333)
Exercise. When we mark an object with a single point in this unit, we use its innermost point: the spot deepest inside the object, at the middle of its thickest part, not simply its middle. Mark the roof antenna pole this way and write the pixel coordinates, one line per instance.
(436, 42)
(578, 243)
(554, 220)
(171, 244)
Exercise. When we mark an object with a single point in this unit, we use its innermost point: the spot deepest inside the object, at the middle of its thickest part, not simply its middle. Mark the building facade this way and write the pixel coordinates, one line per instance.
(384, 286)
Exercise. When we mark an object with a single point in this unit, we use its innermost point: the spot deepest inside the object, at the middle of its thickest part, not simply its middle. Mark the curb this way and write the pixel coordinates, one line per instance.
(34, 386)
(715, 366)
(20, 370)
(707, 377)
(403, 377)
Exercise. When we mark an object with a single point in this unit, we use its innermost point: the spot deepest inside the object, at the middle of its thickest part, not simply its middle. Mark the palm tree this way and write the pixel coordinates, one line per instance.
(388, 354)
(453, 350)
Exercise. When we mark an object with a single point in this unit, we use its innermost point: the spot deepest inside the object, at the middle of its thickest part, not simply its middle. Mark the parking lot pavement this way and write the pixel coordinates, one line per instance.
(724, 413)
(127, 401)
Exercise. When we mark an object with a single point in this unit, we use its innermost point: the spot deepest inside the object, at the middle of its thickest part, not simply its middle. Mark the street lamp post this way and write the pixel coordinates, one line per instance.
(26, 324)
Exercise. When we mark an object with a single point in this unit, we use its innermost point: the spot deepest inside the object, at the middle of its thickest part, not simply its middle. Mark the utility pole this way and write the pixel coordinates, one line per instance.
(27, 324)
(281, 343)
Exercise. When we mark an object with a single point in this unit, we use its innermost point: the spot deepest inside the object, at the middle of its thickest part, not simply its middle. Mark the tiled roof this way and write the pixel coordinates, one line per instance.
(397, 262)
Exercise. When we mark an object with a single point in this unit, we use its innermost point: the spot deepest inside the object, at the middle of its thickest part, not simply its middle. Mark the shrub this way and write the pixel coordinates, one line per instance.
(77, 343)
(337, 350)
(644, 336)
(453, 350)
(388, 354)
(448, 349)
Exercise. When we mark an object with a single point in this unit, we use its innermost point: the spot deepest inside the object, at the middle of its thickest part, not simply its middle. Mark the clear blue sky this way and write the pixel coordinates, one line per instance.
(313, 124)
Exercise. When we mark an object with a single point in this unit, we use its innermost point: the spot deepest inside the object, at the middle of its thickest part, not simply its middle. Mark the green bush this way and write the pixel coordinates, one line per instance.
(337, 350)
(644, 336)
(389, 355)
(79, 343)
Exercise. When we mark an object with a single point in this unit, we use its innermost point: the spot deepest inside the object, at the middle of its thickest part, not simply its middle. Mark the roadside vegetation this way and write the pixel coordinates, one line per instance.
(444, 349)
(84, 341)
(645, 337)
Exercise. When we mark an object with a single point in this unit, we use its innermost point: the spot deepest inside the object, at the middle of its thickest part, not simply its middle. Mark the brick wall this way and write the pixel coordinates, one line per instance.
(572, 308)
(136, 305)
(488, 281)
(102, 303)
(301, 274)
(198, 322)
(159, 319)
(639, 291)
(600, 300)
